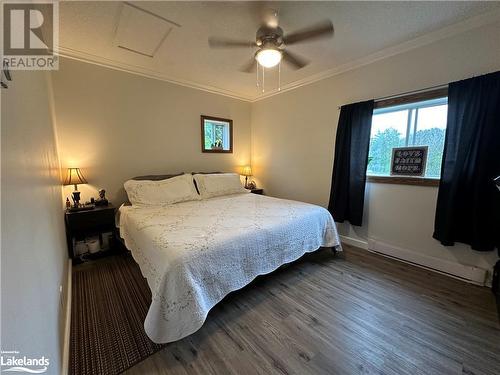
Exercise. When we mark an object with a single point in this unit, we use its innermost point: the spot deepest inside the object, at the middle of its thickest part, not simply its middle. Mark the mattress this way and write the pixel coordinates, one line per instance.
(195, 253)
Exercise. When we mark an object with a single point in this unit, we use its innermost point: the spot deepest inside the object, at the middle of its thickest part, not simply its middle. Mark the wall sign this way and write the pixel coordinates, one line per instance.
(409, 161)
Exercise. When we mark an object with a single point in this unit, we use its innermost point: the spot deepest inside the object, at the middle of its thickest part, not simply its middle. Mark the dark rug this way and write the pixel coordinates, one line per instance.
(109, 304)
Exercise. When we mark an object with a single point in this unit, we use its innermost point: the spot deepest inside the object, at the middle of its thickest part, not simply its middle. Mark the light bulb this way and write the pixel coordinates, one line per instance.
(268, 57)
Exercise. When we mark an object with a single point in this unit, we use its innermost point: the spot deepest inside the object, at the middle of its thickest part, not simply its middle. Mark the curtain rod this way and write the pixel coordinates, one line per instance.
(412, 92)
(409, 93)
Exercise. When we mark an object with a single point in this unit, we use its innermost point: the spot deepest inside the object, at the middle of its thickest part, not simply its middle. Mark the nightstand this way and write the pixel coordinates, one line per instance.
(82, 224)
(257, 191)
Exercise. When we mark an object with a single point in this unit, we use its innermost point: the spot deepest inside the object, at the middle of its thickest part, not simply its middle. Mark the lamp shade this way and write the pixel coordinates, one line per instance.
(74, 177)
(246, 171)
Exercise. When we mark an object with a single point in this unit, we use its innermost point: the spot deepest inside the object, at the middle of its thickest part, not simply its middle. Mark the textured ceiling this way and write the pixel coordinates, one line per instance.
(88, 31)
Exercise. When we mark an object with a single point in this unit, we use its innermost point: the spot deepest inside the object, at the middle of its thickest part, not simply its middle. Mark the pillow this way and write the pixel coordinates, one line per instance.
(169, 191)
(196, 186)
(213, 185)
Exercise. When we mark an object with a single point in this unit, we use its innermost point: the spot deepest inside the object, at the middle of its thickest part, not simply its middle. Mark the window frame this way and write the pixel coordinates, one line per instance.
(400, 101)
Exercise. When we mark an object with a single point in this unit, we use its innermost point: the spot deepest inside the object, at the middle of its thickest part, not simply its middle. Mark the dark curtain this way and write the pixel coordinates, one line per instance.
(347, 192)
(468, 205)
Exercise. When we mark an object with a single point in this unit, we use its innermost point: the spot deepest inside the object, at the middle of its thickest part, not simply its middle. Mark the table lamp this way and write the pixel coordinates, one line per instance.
(247, 171)
(74, 177)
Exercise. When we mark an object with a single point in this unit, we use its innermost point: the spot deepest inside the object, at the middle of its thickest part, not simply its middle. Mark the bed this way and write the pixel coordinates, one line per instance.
(194, 253)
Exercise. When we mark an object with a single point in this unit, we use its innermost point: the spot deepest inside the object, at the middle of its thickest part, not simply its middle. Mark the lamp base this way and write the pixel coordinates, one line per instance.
(75, 196)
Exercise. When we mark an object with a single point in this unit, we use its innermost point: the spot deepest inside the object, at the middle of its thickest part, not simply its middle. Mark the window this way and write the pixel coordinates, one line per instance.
(417, 123)
(216, 136)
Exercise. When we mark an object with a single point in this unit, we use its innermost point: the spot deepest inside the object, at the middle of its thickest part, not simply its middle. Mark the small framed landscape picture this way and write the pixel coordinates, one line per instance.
(409, 161)
(216, 134)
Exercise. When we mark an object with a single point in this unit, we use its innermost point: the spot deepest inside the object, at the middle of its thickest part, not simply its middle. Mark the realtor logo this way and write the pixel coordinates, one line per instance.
(12, 361)
(30, 35)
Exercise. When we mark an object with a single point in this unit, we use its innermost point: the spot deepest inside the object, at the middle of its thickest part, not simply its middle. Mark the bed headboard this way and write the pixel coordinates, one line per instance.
(205, 173)
(156, 177)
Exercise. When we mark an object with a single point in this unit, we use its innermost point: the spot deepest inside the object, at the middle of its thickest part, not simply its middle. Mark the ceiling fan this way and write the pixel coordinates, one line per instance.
(272, 43)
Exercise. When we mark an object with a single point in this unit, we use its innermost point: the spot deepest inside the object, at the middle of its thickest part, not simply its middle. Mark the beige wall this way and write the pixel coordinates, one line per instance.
(33, 258)
(293, 139)
(117, 125)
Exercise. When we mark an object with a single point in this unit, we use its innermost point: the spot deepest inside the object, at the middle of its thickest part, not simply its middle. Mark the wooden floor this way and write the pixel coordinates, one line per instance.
(359, 313)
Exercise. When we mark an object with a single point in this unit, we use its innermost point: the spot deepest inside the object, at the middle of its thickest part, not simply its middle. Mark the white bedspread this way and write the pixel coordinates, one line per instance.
(195, 253)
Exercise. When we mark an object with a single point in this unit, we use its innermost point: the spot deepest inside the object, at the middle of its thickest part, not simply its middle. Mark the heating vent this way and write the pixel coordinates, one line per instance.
(141, 31)
(469, 273)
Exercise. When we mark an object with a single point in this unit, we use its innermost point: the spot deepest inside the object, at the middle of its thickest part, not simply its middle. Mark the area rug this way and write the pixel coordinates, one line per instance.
(110, 300)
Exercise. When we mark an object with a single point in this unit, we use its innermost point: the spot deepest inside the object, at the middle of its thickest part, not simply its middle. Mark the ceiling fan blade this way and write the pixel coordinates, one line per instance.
(229, 43)
(295, 60)
(320, 30)
(249, 67)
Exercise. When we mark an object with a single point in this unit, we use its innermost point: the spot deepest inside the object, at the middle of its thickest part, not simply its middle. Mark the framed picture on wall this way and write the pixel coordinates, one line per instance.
(216, 134)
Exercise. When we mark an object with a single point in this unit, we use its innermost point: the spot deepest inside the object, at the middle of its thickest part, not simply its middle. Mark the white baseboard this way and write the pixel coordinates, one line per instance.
(354, 242)
(471, 274)
(67, 321)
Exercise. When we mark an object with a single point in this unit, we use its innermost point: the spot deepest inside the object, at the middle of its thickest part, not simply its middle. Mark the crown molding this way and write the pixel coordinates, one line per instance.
(423, 40)
(138, 70)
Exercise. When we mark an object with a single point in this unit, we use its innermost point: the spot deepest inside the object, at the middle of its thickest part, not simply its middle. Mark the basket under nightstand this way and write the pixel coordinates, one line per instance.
(82, 224)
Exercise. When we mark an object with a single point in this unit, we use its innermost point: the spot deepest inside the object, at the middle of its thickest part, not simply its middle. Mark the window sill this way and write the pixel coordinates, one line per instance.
(420, 181)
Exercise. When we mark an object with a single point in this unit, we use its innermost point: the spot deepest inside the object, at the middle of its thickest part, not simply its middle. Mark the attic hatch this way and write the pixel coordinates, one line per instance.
(140, 31)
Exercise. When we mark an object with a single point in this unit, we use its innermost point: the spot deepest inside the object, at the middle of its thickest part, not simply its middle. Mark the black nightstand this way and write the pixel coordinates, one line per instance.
(81, 224)
(257, 191)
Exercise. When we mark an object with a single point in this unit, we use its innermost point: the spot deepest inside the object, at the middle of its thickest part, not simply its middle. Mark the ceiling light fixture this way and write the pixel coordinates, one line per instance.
(268, 57)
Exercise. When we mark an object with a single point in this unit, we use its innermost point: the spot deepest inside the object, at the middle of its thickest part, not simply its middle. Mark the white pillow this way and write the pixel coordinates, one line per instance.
(162, 192)
(213, 185)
